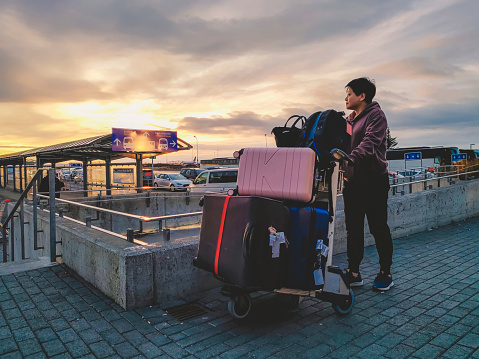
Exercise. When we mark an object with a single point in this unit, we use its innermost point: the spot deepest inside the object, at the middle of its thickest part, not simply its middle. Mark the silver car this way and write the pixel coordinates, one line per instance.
(171, 181)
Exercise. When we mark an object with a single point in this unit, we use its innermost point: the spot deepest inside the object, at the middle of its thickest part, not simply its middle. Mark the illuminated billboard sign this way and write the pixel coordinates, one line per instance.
(126, 140)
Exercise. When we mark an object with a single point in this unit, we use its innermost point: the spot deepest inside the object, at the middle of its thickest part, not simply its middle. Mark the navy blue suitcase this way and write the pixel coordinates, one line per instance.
(308, 226)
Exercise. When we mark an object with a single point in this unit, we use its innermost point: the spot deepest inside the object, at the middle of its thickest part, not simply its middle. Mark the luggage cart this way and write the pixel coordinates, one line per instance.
(335, 289)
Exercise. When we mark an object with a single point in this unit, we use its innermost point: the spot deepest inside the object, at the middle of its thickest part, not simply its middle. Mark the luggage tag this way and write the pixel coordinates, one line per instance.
(322, 248)
(318, 277)
(275, 240)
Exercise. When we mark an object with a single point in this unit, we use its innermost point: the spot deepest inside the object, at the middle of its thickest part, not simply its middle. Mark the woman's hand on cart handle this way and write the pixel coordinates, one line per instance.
(340, 155)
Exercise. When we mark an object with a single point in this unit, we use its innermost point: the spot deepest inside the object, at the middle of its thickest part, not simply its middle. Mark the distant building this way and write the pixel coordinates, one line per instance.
(220, 162)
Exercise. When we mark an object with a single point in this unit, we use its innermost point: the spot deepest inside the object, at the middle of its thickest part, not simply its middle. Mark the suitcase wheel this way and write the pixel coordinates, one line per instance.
(345, 305)
(239, 305)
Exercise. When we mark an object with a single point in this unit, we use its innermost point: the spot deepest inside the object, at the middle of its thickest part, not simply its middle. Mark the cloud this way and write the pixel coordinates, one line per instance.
(26, 127)
(231, 69)
(183, 28)
(445, 116)
(417, 67)
(234, 125)
(23, 84)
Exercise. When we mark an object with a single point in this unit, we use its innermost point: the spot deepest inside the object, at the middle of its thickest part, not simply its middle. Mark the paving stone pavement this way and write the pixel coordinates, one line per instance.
(432, 311)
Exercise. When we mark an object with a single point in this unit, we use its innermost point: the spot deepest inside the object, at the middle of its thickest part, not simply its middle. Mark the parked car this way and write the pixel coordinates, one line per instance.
(416, 174)
(219, 180)
(78, 177)
(191, 173)
(66, 173)
(395, 175)
(171, 181)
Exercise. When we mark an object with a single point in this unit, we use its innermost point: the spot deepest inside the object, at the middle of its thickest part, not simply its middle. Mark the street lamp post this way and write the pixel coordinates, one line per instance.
(197, 159)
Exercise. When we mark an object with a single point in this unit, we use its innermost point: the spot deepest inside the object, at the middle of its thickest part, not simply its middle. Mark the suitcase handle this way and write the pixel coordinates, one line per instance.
(248, 239)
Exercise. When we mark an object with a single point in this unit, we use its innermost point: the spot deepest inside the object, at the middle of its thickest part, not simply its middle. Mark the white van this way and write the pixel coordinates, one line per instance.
(218, 180)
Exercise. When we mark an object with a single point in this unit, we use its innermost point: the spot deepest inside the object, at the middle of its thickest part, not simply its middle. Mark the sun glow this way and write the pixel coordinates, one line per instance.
(137, 114)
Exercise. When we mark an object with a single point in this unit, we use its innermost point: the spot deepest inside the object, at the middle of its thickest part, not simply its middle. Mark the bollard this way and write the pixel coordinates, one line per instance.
(88, 222)
(129, 235)
(167, 234)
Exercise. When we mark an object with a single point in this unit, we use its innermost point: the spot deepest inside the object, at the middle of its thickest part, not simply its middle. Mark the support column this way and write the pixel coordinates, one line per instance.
(14, 180)
(53, 233)
(139, 172)
(20, 182)
(85, 178)
(108, 176)
(39, 165)
(25, 172)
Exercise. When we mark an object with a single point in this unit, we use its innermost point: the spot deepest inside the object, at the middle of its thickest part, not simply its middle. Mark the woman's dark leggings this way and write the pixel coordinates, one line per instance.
(367, 198)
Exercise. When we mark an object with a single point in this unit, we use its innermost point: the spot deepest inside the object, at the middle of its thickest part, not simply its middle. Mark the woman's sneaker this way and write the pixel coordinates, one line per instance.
(383, 282)
(352, 280)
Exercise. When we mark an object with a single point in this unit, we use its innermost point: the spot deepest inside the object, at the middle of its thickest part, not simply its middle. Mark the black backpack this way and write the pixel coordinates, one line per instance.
(322, 132)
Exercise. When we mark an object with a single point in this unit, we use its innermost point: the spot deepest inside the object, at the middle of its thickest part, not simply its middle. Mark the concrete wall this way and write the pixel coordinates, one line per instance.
(420, 211)
(135, 276)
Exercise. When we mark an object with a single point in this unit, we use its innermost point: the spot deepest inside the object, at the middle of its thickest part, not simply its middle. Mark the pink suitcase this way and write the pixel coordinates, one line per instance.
(281, 173)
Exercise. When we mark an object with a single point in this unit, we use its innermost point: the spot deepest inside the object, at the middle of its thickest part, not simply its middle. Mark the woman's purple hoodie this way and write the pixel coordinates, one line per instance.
(368, 144)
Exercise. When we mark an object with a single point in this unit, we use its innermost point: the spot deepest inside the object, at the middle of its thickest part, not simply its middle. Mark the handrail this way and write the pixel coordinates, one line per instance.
(22, 196)
(140, 219)
(128, 215)
(433, 179)
(134, 216)
(19, 203)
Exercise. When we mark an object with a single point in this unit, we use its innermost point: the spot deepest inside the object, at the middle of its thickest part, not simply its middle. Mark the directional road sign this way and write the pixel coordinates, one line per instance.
(412, 156)
(126, 140)
(459, 157)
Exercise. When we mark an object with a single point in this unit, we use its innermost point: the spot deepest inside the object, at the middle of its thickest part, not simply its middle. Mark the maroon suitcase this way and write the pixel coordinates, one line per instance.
(234, 240)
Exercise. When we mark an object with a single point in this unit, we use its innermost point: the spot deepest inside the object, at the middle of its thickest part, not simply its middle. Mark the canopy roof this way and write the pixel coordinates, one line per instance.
(92, 148)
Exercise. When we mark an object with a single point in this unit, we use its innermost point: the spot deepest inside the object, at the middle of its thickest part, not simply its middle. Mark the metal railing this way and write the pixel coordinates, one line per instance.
(465, 175)
(141, 219)
(8, 225)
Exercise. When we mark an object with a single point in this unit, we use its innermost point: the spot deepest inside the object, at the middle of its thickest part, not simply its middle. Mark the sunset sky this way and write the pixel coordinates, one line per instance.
(230, 71)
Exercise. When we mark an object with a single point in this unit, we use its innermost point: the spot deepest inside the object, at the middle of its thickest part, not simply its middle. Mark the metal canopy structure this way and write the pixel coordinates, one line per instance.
(88, 149)
(85, 150)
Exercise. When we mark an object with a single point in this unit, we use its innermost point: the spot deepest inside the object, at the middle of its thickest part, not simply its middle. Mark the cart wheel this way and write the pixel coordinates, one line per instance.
(239, 305)
(344, 306)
